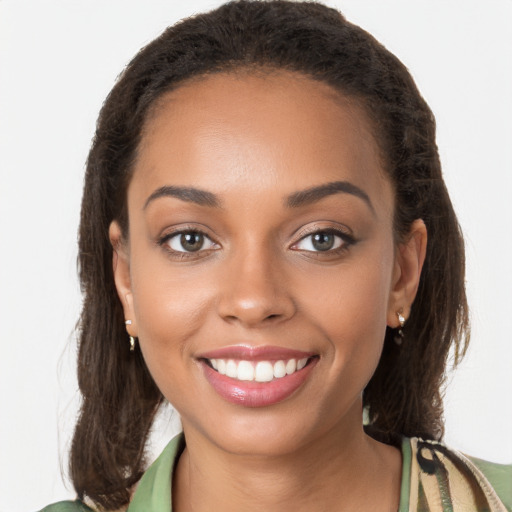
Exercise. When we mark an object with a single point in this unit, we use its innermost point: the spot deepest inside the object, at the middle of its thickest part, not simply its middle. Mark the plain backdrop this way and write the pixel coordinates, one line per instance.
(59, 59)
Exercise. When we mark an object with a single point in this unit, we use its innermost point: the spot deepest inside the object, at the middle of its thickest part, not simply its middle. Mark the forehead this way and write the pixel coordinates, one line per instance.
(256, 130)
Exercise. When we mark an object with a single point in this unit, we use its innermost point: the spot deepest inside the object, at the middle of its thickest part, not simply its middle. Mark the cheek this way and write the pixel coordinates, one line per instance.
(368, 320)
(350, 307)
(353, 298)
(170, 307)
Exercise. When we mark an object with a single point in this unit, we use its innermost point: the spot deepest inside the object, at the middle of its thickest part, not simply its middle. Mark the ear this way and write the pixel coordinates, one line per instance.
(409, 259)
(121, 269)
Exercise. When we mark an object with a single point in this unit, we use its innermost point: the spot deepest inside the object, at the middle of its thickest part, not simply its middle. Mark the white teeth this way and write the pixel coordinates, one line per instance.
(291, 366)
(262, 371)
(301, 363)
(279, 369)
(231, 369)
(245, 371)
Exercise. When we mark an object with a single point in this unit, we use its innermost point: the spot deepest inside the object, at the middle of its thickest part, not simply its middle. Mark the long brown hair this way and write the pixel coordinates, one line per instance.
(403, 397)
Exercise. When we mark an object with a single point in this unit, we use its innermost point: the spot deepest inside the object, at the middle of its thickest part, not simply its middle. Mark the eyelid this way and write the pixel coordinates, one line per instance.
(344, 233)
(167, 235)
(177, 236)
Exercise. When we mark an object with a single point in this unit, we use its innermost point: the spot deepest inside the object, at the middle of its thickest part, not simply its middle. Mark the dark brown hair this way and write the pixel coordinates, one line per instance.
(120, 398)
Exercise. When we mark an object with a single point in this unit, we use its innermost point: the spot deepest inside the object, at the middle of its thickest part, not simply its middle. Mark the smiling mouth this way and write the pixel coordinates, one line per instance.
(257, 376)
(257, 371)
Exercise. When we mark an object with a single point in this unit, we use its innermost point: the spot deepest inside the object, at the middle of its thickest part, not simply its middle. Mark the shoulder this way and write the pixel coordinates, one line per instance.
(153, 491)
(442, 475)
(499, 476)
(67, 506)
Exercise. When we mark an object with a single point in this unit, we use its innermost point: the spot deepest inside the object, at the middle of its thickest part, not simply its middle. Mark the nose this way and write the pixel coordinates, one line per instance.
(255, 291)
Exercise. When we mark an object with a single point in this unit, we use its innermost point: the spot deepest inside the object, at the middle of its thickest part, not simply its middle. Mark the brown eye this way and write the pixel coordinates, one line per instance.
(190, 241)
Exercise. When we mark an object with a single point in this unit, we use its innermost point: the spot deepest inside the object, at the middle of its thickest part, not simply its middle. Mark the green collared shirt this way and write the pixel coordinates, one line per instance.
(434, 479)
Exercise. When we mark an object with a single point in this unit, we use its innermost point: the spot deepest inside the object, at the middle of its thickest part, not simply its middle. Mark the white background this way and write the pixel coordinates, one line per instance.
(58, 60)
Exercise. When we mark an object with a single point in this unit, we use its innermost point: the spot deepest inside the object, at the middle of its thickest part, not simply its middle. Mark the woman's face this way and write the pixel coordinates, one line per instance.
(260, 271)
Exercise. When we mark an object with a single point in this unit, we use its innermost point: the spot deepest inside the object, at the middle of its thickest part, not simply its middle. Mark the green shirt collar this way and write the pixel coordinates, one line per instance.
(153, 493)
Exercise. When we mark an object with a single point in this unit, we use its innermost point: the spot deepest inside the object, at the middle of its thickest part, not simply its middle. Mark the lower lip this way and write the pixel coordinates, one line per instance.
(257, 394)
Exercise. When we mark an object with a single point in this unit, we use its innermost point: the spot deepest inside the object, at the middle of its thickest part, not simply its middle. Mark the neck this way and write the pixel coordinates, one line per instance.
(342, 470)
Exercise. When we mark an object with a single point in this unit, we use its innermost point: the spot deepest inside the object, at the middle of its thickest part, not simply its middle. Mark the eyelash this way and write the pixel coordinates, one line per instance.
(344, 242)
(165, 239)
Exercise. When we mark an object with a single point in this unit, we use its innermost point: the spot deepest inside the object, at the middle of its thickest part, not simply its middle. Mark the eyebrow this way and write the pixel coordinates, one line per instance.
(295, 200)
(314, 194)
(188, 194)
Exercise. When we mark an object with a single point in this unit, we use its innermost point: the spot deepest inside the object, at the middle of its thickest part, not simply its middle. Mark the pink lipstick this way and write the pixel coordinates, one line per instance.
(256, 376)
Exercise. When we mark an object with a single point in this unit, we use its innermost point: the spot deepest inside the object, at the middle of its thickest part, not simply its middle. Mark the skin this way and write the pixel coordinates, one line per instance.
(253, 141)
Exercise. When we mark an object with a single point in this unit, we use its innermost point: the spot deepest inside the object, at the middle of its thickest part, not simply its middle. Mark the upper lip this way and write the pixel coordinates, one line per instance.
(251, 353)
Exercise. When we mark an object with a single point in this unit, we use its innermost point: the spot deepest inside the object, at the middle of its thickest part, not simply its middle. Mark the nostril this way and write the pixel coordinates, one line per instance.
(253, 307)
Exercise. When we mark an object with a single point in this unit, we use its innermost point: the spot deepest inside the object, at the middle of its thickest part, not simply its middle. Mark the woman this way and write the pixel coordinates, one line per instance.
(267, 243)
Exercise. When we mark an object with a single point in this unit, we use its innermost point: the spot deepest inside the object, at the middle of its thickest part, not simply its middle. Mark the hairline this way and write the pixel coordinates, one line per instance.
(352, 100)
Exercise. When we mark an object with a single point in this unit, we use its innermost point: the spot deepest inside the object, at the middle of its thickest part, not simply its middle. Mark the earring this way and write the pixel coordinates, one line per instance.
(399, 336)
(132, 339)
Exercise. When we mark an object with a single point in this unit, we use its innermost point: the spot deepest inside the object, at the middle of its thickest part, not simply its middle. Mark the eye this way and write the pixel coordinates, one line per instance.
(322, 241)
(189, 241)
